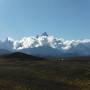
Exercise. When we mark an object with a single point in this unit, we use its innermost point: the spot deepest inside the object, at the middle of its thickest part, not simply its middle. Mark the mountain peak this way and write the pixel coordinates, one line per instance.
(44, 34)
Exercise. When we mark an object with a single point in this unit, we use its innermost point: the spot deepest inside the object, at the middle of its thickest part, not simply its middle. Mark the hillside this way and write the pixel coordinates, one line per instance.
(19, 57)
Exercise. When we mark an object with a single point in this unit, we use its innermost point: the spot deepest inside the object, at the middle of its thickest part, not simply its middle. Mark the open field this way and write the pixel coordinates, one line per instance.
(27, 74)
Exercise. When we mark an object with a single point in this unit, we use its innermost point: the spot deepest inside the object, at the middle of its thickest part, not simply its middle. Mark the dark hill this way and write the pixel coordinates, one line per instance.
(19, 55)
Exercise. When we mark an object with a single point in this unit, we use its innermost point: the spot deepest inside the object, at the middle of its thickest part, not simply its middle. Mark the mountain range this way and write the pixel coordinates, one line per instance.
(45, 45)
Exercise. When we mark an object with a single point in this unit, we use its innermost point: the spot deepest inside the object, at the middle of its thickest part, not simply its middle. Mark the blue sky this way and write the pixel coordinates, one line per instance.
(69, 19)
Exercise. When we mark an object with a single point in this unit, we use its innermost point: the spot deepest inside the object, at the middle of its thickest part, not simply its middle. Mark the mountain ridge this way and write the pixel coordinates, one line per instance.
(45, 45)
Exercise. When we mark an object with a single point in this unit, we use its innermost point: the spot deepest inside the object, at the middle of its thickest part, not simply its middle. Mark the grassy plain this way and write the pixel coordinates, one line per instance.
(26, 74)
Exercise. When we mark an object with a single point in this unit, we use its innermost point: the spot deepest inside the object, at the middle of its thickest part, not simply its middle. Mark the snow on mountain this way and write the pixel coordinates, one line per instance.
(46, 45)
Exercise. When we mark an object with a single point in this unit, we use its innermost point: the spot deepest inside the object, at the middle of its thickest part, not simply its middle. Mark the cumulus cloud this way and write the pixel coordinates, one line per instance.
(45, 45)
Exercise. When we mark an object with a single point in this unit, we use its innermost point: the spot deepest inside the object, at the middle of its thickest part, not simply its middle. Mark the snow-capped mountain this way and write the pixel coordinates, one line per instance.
(47, 45)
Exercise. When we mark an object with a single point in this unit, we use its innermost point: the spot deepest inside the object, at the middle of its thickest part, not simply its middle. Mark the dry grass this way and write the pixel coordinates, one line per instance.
(44, 75)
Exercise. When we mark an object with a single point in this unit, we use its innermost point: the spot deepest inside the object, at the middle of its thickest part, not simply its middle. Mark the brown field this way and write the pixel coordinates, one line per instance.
(25, 73)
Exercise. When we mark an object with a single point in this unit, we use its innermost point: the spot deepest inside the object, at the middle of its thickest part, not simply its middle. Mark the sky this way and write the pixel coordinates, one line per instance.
(69, 19)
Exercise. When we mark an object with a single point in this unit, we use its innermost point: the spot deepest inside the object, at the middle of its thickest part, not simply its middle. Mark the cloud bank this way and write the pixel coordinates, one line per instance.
(46, 45)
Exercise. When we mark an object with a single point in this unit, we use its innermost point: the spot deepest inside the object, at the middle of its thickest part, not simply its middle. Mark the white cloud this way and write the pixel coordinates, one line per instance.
(54, 46)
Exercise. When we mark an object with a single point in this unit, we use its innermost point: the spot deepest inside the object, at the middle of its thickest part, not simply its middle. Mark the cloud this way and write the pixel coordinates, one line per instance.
(45, 45)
